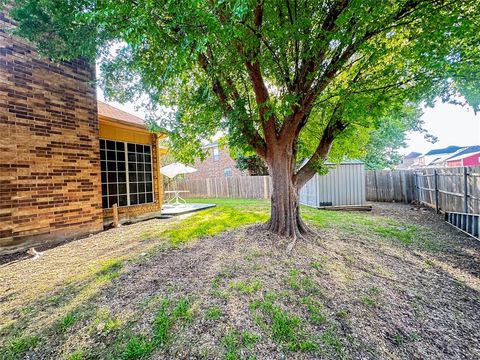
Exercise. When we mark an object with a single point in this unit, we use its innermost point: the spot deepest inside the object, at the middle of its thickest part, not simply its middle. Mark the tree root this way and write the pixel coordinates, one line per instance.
(291, 245)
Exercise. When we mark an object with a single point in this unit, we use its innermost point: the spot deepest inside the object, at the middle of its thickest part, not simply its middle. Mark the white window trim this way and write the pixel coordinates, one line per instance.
(230, 172)
(216, 156)
(127, 173)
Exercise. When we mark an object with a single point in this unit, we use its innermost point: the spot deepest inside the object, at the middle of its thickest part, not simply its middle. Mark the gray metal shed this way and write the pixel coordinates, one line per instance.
(343, 185)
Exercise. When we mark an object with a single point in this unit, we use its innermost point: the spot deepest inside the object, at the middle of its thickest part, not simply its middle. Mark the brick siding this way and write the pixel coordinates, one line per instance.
(49, 150)
(211, 168)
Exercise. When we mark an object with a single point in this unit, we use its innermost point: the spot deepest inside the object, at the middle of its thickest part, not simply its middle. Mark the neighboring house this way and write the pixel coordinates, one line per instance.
(436, 156)
(65, 160)
(409, 160)
(218, 163)
(469, 156)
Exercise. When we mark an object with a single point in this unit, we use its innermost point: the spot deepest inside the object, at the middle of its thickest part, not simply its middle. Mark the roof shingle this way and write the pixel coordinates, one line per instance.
(116, 114)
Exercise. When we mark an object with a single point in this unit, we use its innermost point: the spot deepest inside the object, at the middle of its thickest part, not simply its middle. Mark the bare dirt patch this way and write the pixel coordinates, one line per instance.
(365, 295)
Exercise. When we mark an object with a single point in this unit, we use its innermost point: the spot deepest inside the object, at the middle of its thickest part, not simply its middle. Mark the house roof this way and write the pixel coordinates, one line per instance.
(447, 150)
(113, 113)
(465, 153)
(412, 155)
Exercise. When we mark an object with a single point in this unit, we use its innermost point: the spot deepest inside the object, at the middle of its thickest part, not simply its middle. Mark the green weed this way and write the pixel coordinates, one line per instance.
(17, 346)
(140, 346)
(299, 282)
(404, 234)
(213, 313)
(137, 347)
(109, 270)
(372, 297)
(315, 310)
(76, 355)
(246, 286)
(285, 327)
(234, 341)
(67, 322)
(331, 340)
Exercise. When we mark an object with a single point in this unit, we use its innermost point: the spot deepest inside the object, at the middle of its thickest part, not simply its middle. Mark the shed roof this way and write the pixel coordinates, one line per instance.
(113, 113)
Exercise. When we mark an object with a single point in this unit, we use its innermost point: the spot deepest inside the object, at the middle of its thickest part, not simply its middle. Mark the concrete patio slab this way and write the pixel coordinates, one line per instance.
(168, 209)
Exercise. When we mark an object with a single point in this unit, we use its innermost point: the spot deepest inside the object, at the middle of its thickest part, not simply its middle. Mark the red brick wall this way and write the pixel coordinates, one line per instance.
(211, 168)
(49, 150)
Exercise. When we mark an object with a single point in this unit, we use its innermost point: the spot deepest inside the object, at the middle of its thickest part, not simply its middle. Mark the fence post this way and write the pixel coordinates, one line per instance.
(415, 190)
(436, 190)
(403, 182)
(376, 184)
(465, 190)
(265, 187)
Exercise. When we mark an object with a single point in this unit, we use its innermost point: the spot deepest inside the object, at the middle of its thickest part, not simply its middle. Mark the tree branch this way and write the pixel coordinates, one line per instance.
(267, 117)
(253, 137)
(333, 128)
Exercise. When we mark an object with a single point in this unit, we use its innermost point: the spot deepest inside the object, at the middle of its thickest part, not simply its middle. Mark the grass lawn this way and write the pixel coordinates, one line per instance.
(394, 283)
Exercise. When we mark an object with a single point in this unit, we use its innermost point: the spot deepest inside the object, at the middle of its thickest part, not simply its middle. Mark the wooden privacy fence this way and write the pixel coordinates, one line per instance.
(446, 189)
(386, 185)
(246, 187)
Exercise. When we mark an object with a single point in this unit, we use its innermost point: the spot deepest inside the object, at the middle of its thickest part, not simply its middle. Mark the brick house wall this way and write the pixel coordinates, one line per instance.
(212, 168)
(49, 150)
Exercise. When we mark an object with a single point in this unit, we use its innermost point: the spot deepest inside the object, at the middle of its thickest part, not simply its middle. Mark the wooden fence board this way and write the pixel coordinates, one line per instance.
(246, 187)
(457, 189)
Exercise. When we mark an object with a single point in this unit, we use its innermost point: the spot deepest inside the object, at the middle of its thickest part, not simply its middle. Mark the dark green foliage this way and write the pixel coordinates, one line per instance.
(363, 63)
(252, 163)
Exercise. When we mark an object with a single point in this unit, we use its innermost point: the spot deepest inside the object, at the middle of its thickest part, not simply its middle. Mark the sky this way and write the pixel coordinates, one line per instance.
(451, 124)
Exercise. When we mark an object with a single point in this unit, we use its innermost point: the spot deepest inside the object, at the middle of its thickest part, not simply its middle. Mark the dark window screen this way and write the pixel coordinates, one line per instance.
(126, 171)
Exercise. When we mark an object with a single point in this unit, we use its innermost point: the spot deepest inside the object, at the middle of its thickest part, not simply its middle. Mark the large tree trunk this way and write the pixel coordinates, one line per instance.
(285, 211)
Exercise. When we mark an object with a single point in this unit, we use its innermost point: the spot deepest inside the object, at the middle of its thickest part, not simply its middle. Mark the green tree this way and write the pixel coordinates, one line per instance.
(288, 79)
(385, 141)
(251, 163)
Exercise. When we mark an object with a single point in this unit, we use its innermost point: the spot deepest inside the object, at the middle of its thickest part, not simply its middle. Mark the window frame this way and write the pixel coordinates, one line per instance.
(127, 173)
(216, 153)
(229, 170)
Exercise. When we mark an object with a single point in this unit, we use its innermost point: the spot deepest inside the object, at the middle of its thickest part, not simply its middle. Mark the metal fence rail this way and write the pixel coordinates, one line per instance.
(468, 223)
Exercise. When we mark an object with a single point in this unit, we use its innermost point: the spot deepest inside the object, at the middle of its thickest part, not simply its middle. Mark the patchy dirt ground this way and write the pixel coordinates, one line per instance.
(396, 283)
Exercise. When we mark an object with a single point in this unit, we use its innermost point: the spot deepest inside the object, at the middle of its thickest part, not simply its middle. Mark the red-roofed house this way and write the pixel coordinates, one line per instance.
(470, 156)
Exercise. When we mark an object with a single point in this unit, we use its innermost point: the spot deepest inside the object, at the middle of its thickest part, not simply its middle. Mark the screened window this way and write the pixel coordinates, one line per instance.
(227, 172)
(216, 155)
(126, 173)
